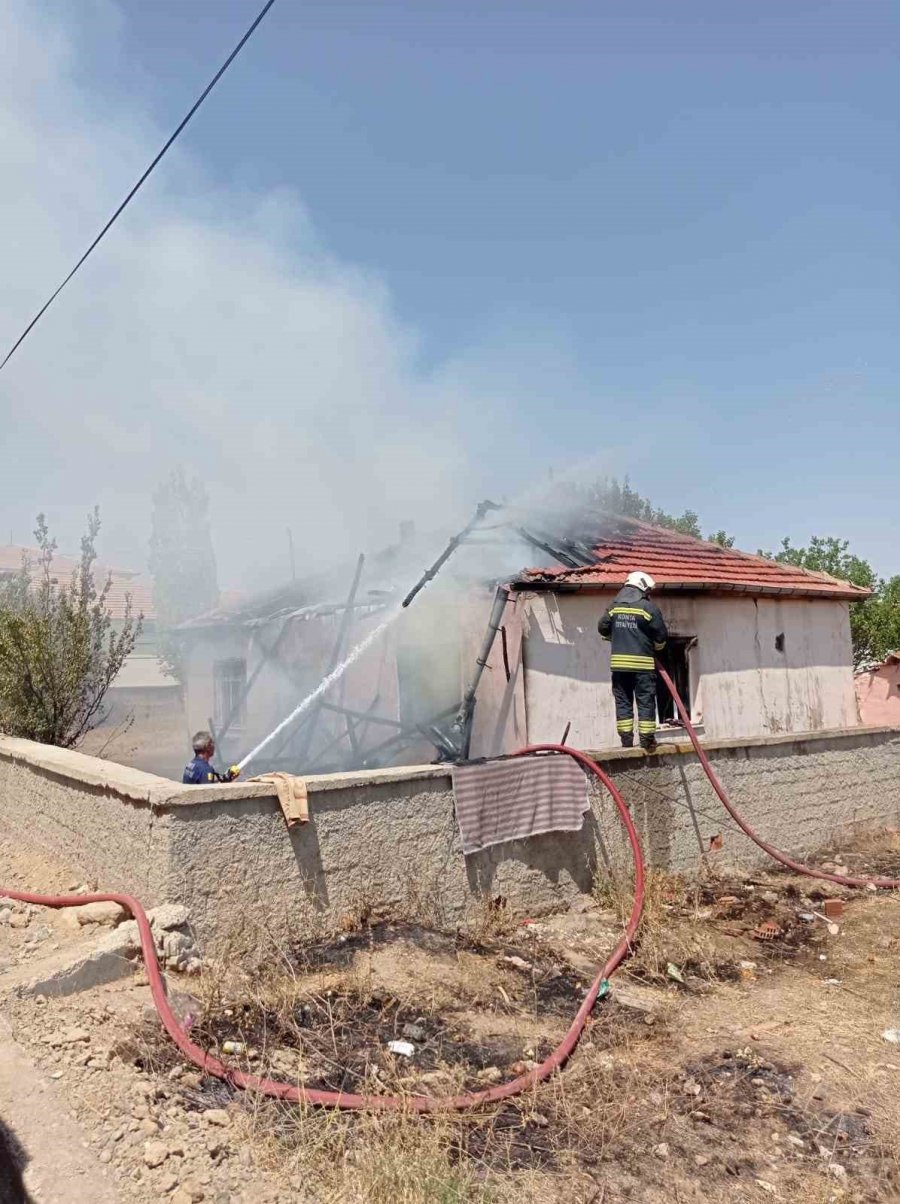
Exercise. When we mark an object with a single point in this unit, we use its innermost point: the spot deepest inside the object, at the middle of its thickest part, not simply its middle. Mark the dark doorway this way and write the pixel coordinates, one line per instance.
(674, 660)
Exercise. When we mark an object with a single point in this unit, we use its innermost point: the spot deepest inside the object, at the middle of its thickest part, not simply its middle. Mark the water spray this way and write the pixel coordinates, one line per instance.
(324, 685)
(338, 671)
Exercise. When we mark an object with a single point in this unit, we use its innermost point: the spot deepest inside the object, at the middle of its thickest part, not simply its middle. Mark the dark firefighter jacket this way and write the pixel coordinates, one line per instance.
(200, 772)
(636, 630)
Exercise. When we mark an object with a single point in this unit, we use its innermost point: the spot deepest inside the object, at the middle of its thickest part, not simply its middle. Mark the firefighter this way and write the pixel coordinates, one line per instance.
(637, 632)
(200, 771)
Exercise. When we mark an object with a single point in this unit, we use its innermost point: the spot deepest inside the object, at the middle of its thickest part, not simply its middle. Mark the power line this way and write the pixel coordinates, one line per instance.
(193, 109)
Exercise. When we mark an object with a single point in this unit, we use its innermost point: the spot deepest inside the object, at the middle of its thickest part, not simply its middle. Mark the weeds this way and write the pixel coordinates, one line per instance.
(649, 1106)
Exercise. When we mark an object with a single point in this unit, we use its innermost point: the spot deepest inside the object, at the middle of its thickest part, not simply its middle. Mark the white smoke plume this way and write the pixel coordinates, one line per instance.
(212, 328)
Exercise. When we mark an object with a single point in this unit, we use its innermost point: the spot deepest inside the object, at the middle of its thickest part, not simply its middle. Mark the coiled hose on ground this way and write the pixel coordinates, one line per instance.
(342, 1099)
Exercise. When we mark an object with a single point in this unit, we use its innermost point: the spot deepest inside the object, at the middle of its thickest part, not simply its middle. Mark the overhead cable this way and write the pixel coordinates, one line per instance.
(181, 125)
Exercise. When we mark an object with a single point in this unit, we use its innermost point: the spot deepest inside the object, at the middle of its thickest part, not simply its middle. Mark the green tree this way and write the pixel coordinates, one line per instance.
(829, 555)
(608, 493)
(882, 621)
(874, 622)
(722, 538)
(59, 650)
(182, 561)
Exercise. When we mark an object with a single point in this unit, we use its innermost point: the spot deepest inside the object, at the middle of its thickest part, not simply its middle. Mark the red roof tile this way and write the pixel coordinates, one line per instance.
(680, 562)
(63, 567)
(141, 594)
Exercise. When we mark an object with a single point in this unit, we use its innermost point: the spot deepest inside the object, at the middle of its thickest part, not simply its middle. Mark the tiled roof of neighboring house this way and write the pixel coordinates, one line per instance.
(679, 562)
(63, 566)
(141, 594)
(124, 581)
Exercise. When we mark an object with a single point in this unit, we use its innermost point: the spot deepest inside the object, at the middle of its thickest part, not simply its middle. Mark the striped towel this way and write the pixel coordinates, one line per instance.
(518, 797)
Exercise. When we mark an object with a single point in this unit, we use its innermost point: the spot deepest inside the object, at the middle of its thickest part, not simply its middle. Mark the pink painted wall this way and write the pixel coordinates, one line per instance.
(878, 695)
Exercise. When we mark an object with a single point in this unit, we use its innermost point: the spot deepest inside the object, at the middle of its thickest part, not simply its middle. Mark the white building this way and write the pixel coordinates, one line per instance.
(757, 648)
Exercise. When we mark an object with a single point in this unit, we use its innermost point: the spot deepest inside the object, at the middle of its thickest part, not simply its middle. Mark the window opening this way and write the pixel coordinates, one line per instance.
(675, 660)
(230, 682)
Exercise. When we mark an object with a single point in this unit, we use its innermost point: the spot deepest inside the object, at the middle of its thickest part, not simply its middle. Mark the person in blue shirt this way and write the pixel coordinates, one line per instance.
(200, 771)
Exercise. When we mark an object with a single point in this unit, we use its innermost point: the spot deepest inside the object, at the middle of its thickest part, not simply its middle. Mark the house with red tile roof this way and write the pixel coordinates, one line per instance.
(127, 587)
(124, 583)
(757, 648)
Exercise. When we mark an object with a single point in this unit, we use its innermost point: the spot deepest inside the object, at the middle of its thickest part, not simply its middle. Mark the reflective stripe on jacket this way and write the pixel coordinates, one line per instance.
(635, 627)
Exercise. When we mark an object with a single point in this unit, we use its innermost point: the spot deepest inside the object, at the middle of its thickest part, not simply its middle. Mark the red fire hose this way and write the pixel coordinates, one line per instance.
(422, 1103)
(342, 1099)
(797, 866)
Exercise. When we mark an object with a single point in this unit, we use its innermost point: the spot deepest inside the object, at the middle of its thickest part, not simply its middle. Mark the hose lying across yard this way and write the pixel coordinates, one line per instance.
(343, 1099)
(424, 1103)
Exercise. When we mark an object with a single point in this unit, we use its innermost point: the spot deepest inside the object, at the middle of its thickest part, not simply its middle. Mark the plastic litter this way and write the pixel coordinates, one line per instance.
(233, 1047)
(406, 1049)
(891, 1035)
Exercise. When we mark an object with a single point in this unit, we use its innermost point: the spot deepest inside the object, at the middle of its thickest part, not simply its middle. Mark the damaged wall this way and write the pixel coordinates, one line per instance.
(291, 664)
(417, 669)
(761, 666)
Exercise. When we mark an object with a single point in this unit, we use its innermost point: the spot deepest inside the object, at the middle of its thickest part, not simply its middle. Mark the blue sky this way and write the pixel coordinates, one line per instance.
(667, 235)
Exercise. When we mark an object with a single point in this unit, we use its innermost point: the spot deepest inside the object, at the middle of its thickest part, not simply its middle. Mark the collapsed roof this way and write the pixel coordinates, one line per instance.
(593, 550)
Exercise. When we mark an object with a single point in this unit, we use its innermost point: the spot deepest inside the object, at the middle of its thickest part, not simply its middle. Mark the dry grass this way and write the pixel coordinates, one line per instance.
(673, 929)
(776, 1086)
(548, 1145)
(381, 1158)
(490, 920)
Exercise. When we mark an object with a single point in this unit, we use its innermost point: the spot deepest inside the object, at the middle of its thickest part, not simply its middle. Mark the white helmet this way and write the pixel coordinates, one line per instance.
(642, 581)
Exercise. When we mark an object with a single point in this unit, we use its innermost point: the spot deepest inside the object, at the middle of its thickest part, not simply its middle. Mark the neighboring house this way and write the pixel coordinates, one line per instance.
(757, 648)
(125, 584)
(878, 692)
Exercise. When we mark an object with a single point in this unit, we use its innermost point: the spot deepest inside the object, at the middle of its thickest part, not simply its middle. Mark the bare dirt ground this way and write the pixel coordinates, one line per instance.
(739, 1057)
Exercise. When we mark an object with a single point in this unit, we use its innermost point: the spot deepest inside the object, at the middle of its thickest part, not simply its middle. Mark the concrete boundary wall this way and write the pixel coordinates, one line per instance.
(388, 838)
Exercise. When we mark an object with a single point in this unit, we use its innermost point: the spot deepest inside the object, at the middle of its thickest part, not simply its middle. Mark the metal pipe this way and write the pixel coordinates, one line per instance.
(463, 721)
(483, 508)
